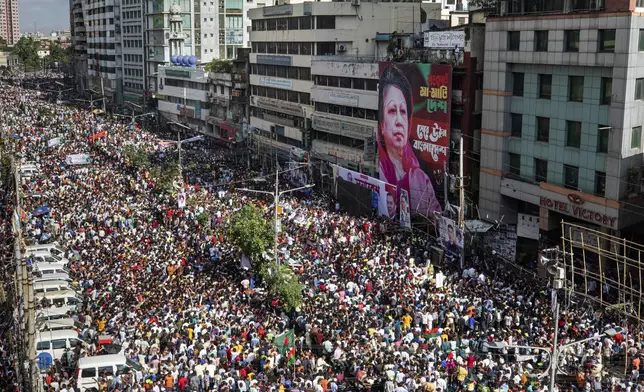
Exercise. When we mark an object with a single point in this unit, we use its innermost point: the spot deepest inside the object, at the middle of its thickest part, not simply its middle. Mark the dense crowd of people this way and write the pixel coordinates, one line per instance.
(170, 289)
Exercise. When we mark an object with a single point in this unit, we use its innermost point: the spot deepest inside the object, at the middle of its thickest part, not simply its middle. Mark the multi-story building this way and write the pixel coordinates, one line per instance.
(211, 29)
(183, 96)
(561, 134)
(103, 46)
(229, 101)
(335, 38)
(131, 67)
(79, 42)
(9, 21)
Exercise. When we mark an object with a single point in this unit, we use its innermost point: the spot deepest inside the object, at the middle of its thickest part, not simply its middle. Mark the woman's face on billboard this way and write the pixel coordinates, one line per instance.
(395, 124)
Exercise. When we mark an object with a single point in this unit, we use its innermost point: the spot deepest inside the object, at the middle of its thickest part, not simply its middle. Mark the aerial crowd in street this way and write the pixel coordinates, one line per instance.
(171, 293)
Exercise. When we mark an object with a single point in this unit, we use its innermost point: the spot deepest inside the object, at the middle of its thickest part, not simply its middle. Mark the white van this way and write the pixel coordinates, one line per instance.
(53, 313)
(54, 248)
(47, 278)
(61, 298)
(55, 342)
(43, 269)
(42, 257)
(60, 324)
(91, 368)
(29, 170)
(51, 285)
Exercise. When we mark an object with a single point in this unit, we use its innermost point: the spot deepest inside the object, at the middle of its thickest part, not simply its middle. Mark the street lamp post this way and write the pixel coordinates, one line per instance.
(179, 142)
(276, 197)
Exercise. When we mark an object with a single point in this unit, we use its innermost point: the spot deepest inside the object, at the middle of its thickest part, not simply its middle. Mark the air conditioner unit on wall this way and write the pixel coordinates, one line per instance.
(342, 48)
(355, 2)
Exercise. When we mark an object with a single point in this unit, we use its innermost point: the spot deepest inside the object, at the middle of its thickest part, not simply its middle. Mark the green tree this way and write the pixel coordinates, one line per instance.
(137, 157)
(281, 282)
(26, 49)
(219, 66)
(165, 177)
(251, 233)
(57, 54)
(204, 219)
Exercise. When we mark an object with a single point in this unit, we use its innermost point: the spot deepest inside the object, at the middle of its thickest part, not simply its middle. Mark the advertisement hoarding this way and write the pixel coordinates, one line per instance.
(444, 39)
(383, 195)
(413, 131)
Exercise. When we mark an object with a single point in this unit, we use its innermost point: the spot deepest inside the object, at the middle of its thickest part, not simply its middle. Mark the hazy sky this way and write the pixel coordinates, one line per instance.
(48, 15)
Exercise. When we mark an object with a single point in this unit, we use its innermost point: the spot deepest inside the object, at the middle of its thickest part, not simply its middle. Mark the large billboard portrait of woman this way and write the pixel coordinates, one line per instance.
(410, 143)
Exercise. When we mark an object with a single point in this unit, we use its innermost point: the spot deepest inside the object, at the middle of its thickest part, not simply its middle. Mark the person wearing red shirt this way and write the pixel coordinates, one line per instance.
(183, 382)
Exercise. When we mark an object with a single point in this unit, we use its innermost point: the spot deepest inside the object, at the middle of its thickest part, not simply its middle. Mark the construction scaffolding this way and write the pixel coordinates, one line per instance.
(603, 268)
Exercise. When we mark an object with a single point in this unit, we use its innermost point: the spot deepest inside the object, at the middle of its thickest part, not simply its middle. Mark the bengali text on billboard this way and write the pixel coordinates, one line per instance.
(413, 130)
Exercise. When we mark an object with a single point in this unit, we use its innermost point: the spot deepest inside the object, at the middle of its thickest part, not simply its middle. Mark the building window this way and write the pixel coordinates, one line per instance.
(515, 164)
(517, 124)
(517, 84)
(602, 138)
(639, 89)
(640, 45)
(573, 134)
(545, 86)
(543, 129)
(541, 170)
(639, 3)
(571, 177)
(514, 40)
(325, 23)
(576, 88)
(600, 184)
(636, 137)
(607, 41)
(606, 91)
(571, 40)
(541, 41)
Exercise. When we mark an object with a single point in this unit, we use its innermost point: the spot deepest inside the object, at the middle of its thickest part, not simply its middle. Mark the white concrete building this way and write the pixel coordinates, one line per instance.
(183, 96)
(211, 29)
(288, 39)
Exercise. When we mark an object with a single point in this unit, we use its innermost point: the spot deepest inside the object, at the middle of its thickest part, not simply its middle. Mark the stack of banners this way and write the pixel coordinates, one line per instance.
(78, 159)
(413, 131)
(383, 195)
(450, 234)
(54, 142)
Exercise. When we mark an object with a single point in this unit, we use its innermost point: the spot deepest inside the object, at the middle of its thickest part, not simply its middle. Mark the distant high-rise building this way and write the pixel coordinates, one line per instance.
(9, 21)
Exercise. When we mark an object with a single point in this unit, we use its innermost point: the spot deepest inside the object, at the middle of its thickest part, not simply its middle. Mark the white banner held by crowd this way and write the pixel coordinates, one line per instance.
(78, 159)
(54, 142)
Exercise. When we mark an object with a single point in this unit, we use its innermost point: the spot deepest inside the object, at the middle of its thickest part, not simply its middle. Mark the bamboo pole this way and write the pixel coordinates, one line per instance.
(639, 299)
(572, 263)
(624, 284)
(601, 272)
(583, 256)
